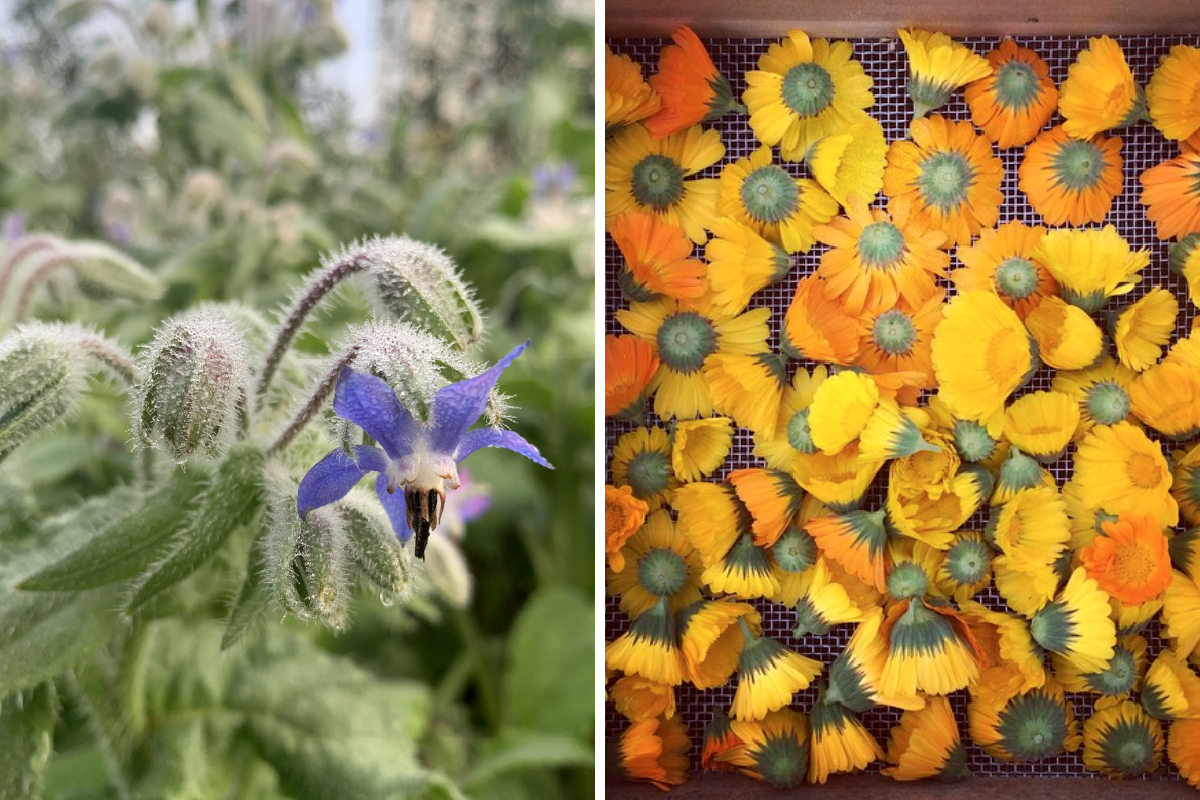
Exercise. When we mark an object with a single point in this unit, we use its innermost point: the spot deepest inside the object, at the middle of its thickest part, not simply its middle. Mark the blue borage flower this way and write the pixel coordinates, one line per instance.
(420, 457)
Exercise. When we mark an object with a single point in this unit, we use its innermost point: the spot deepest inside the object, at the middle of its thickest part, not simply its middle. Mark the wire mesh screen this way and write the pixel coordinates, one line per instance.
(885, 61)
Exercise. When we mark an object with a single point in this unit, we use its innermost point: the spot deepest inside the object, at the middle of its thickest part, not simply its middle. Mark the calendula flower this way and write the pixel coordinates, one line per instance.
(1118, 468)
(1130, 561)
(418, 456)
(690, 87)
(773, 499)
(658, 258)
(1042, 423)
(748, 388)
(658, 561)
(745, 571)
(654, 751)
(1069, 180)
(1120, 676)
(1019, 472)
(699, 447)
(1034, 724)
(1167, 398)
(824, 603)
(1067, 337)
(1122, 741)
(1184, 261)
(623, 515)
(1172, 91)
(642, 461)
(839, 742)
(712, 517)
(1185, 488)
(972, 441)
(712, 640)
(937, 65)
(1183, 748)
(1032, 530)
(768, 675)
(850, 163)
(646, 174)
(897, 341)
(1013, 660)
(930, 649)
(1099, 92)
(1181, 613)
(719, 739)
(840, 410)
(639, 699)
(1091, 265)
(981, 353)
(1141, 329)
(1013, 103)
(892, 433)
(857, 540)
(949, 174)
(1001, 260)
(1171, 690)
(927, 744)
(685, 337)
(627, 98)
(773, 750)
(840, 480)
(1171, 194)
(1102, 392)
(929, 472)
(966, 569)
(740, 263)
(650, 648)
(804, 90)
(764, 197)
(794, 554)
(855, 674)
(1077, 624)
(817, 328)
(629, 365)
(792, 433)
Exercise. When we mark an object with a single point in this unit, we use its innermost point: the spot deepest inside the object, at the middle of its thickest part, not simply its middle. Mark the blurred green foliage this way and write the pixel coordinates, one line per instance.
(195, 137)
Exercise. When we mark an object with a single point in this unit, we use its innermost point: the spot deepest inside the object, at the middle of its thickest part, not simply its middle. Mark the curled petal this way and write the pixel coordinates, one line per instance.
(393, 504)
(457, 406)
(334, 475)
(491, 437)
(371, 404)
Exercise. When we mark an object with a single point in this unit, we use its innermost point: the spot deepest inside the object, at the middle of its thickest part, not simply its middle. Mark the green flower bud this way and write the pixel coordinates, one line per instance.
(374, 548)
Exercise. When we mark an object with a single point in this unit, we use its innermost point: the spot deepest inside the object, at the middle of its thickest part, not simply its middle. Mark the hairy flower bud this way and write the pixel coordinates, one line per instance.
(319, 584)
(373, 546)
(102, 271)
(196, 376)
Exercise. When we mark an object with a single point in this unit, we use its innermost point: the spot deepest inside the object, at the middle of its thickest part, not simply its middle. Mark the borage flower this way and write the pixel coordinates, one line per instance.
(419, 456)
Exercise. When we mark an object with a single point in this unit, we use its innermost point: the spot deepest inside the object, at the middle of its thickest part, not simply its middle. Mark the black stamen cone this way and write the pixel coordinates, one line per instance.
(422, 513)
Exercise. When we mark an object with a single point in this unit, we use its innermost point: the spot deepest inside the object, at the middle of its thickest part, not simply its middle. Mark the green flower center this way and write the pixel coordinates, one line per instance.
(807, 89)
(1016, 278)
(662, 572)
(1019, 471)
(1128, 747)
(685, 340)
(894, 332)
(795, 551)
(770, 194)
(1107, 402)
(782, 761)
(944, 180)
(649, 473)
(799, 435)
(1118, 677)
(1032, 726)
(1016, 85)
(967, 562)
(907, 580)
(1078, 164)
(881, 244)
(657, 182)
(972, 440)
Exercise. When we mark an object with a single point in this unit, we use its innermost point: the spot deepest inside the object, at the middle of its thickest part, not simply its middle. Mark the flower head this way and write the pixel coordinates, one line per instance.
(1012, 104)
(938, 65)
(690, 86)
(1172, 92)
(1070, 180)
(418, 456)
(627, 98)
(1099, 92)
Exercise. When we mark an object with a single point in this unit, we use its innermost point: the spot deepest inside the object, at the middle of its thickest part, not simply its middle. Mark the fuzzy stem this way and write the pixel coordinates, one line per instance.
(295, 318)
(25, 247)
(34, 280)
(101, 350)
(320, 393)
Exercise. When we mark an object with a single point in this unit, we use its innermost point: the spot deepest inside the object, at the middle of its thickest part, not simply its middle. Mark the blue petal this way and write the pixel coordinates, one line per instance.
(490, 437)
(335, 474)
(371, 404)
(393, 504)
(457, 406)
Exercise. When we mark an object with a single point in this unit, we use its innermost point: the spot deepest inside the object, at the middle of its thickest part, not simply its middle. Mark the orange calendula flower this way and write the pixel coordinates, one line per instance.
(1173, 94)
(927, 744)
(642, 173)
(623, 515)
(638, 699)
(765, 197)
(629, 366)
(1099, 92)
(691, 88)
(773, 499)
(658, 258)
(1013, 103)
(1071, 181)
(949, 174)
(1130, 561)
(858, 541)
(627, 98)
(1001, 260)
(897, 340)
(878, 257)
(1171, 194)
(654, 751)
(818, 328)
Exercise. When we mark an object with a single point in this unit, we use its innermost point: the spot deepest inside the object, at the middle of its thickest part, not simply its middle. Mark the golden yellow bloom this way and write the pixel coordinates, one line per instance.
(1173, 94)
(712, 517)
(1102, 392)
(1026, 726)
(1183, 748)
(1181, 613)
(1167, 398)
(930, 650)
(740, 262)
(850, 163)
(1122, 741)
(1185, 488)
(792, 434)
(773, 499)
(1067, 337)
(937, 66)
(839, 742)
(712, 639)
(768, 675)
(650, 648)
(638, 699)
(1091, 265)
(1042, 423)
(1001, 260)
(840, 410)
(1013, 659)
(1099, 92)
(1171, 690)
(1184, 261)
(627, 98)
(1118, 468)
(773, 750)
(926, 744)
(1141, 329)
(672, 569)
(1077, 625)
(748, 388)
(839, 480)
(699, 446)
(642, 461)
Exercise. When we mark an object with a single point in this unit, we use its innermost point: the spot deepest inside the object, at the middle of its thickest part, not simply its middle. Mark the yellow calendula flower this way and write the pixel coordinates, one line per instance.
(627, 98)
(1181, 613)
(637, 698)
(642, 461)
(712, 640)
(740, 263)
(763, 196)
(892, 433)
(768, 675)
(699, 447)
(773, 750)
(1026, 726)
(1032, 529)
(1142, 329)
(938, 65)
(1001, 260)
(838, 480)
(929, 649)
(747, 387)
(1042, 423)
(1185, 488)
(744, 571)
(1014, 661)
(824, 603)
(711, 517)
(650, 648)
(642, 173)
(773, 499)
(1077, 625)
(1067, 337)
(1184, 261)
(1122, 675)
(792, 432)
(672, 568)
(1171, 689)
(1167, 398)
(804, 90)
(850, 163)
(858, 541)
(1122, 741)
(1091, 265)
(839, 743)
(1099, 92)
(927, 744)
(1102, 392)
(840, 410)
(1172, 92)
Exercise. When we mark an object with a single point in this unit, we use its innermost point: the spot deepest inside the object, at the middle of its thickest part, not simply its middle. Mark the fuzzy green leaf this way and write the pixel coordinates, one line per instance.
(26, 730)
(253, 599)
(548, 686)
(126, 545)
(232, 499)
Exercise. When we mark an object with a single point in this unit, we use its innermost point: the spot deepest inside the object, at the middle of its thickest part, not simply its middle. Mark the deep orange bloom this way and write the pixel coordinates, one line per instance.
(655, 751)
(1012, 104)
(658, 256)
(691, 88)
(1071, 181)
(1131, 561)
(629, 366)
(623, 515)
(1171, 192)
(1001, 260)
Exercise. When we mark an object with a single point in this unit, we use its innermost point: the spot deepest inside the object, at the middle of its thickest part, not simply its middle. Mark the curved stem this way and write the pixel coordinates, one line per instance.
(103, 351)
(315, 400)
(295, 318)
(31, 283)
(25, 247)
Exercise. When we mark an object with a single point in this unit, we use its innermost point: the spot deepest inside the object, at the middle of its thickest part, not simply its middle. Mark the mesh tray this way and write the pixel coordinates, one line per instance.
(884, 60)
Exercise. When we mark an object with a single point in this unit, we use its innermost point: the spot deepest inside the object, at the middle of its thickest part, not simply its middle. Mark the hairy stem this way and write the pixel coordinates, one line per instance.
(315, 400)
(34, 280)
(300, 311)
(103, 351)
(25, 247)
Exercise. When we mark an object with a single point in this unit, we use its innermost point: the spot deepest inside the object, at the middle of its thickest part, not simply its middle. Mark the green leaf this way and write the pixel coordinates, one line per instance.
(126, 545)
(549, 682)
(26, 730)
(515, 750)
(253, 599)
(248, 94)
(232, 499)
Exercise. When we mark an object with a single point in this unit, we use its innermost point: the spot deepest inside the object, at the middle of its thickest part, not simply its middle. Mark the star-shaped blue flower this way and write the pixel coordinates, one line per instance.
(419, 457)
